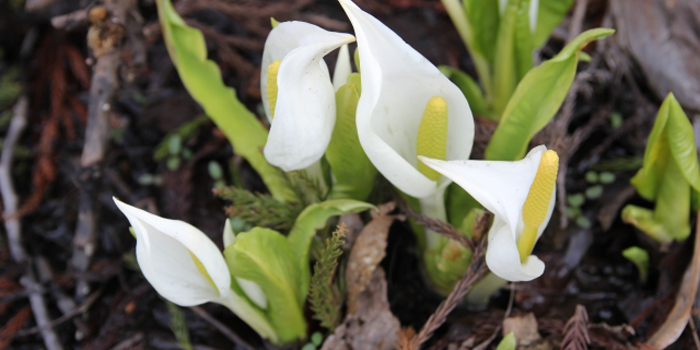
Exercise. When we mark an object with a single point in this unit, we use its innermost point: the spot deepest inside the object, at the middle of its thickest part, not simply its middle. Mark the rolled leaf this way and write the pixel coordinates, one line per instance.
(203, 81)
(513, 52)
(537, 98)
(353, 173)
(264, 256)
(469, 87)
(669, 176)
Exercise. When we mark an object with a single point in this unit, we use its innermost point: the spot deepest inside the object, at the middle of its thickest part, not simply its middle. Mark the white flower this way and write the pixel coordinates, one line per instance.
(297, 93)
(397, 85)
(521, 196)
(185, 267)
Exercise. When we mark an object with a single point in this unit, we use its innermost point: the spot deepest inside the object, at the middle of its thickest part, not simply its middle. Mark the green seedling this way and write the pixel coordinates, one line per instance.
(217, 174)
(670, 177)
(615, 120)
(640, 258)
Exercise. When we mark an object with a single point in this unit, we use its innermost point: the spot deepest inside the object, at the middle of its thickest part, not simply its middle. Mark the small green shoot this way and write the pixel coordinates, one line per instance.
(178, 326)
(217, 174)
(594, 192)
(640, 258)
(615, 120)
(508, 342)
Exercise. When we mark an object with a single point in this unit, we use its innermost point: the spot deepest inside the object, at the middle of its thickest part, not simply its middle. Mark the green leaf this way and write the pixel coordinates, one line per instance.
(264, 256)
(203, 81)
(464, 27)
(671, 138)
(484, 17)
(508, 342)
(670, 172)
(549, 15)
(513, 53)
(536, 99)
(353, 173)
(640, 258)
(643, 219)
(469, 87)
(312, 218)
(594, 192)
(458, 204)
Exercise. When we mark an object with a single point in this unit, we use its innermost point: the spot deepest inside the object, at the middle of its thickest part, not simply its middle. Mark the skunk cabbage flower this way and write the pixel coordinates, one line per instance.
(297, 93)
(185, 267)
(521, 196)
(407, 108)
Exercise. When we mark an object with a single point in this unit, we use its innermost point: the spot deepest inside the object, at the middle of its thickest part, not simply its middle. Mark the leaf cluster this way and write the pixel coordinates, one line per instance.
(325, 296)
(256, 209)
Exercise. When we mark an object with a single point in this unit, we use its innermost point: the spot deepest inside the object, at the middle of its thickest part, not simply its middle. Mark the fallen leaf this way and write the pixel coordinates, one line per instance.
(677, 319)
(367, 252)
(524, 328)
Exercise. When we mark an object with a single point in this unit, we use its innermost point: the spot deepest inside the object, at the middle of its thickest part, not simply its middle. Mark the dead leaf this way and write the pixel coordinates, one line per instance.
(662, 37)
(369, 323)
(677, 319)
(372, 326)
(367, 252)
(524, 328)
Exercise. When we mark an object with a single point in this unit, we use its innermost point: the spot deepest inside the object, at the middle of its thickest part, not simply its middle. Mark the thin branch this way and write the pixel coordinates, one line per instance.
(438, 226)
(227, 332)
(14, 228)
(476, 270)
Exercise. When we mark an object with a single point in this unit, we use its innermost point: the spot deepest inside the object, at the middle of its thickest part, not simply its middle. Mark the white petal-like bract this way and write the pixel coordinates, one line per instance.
(502, 188)
(397, 83)
(304, 115)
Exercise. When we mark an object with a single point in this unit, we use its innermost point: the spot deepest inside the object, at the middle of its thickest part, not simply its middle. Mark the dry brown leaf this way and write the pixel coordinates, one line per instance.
(662, 36)
(367, 252)
(406, 335)
(576, 331)
(677, 319)
(372, 326)
(369, 323)
(524, 328)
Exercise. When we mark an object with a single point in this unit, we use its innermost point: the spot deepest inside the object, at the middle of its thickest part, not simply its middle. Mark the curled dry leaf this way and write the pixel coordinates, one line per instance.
(524, 328)
(369, 323)
(367, 252)
(677, 319)
(372, 326)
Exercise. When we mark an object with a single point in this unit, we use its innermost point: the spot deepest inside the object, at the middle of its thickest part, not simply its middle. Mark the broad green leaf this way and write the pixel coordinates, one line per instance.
(513, 52)
(508, 342)
(643, 219)
(469, 87)
(640, 258)
(461, 21)
(353, 173)
(203, 81)
(537, 98)
(484, 17)
(311, 219)
(549, 15)
(264, 256)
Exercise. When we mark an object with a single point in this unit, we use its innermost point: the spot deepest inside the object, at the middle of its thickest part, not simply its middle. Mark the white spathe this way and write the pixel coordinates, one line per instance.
(502, 188)
(164, 251)
(397, 83)
(304, 114)
(343, 68)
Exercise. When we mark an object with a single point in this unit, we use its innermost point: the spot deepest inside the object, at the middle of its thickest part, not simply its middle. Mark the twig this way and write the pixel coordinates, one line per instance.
(9, 197)
(577, 20)
(13, 225)
(475, 271)
(227, 332)
(104, 37)
(438, 226)
(71, 21)
(66, 316)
